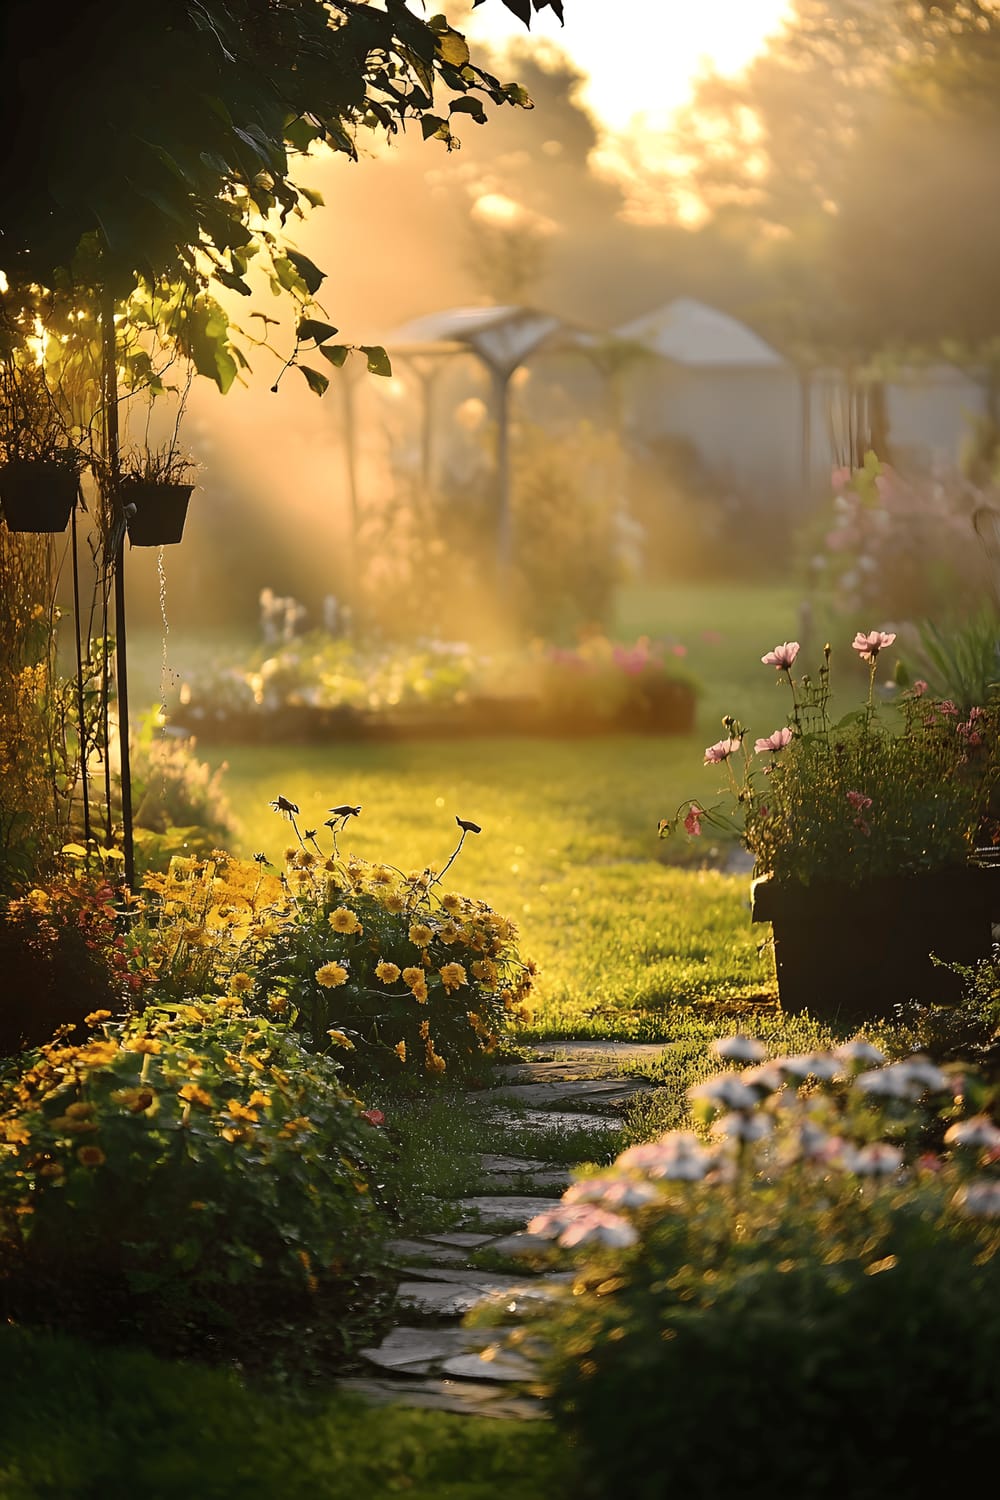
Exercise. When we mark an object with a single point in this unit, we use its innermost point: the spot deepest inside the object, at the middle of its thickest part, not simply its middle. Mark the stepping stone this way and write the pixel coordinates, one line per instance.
(462, 1237)
(497, 1364)
(439, 1255)
(556, 1072)
(607, 1091)
(592, 1051)
(419, 1351)
(462, 1396)
(522, 1243)
(554, 1182)
(467, 1277)
(451, 1299)
(507, 1164)
(556, 1120)
(502, 1211)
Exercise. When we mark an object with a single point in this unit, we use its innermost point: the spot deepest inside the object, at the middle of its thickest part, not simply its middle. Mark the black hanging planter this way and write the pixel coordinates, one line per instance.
(38, 494)
(159, 513)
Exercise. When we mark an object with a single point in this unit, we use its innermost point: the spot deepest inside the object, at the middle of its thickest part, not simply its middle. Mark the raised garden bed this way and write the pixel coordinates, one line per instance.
(670, 712)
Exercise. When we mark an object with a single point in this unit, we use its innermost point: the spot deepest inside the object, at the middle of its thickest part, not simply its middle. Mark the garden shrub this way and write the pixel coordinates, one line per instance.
(399, 980)
(179, 805)
(195, 1179)
(807, 1300)
(62, 955)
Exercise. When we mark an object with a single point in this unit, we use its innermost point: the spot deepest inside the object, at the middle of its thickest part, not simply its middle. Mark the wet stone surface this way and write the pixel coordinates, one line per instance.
(430, 1359)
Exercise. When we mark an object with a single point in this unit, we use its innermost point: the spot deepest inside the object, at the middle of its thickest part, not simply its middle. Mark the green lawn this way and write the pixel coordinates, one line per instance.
(569, 845)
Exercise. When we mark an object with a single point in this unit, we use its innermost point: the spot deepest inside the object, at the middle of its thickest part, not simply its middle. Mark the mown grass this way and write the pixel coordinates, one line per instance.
(621, 925)
(79, 1423)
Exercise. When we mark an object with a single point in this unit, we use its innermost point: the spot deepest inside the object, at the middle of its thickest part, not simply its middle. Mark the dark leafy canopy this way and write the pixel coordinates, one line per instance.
(161, 132)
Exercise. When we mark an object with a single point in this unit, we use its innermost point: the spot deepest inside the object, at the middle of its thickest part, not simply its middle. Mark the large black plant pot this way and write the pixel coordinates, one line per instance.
(851, 953)
(159, 513)
(38, 495)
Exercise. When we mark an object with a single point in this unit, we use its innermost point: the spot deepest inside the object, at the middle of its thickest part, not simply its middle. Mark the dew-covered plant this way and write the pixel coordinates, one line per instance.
(817, 1259)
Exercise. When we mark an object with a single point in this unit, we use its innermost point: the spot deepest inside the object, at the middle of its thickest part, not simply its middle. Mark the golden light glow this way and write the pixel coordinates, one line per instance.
(641, 58)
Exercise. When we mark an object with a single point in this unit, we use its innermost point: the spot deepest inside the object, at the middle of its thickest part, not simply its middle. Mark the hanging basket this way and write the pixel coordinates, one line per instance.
(159, 514)
(37, 494)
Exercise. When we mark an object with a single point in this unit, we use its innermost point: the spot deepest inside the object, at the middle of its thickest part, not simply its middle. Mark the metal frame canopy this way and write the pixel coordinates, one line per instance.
(503, 339)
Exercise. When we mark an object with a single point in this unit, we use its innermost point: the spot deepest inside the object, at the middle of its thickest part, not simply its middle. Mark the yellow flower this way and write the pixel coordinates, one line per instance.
(412, 976)
(420, 934)
(434, 1063)
(235, 1134)
(486, 970)
(134, 1100)
(400, 1051)
(52, 1168)
(394, 903)
(451, 902)
(259, 1100)
(344, 920)
(91, 1156)
(277, 1003)
(425, 1030)
(448, 932)
(237, 1111)
(381, 875)
(453, 976)
(419, 991)
(16, 1134)
(96, 1017)
(387, 972)
(229, 1002)
(301, 1122)
(330, 976)
(339, 1039)
(141, 1044)
(192, 1094)
(241, 984)
(99, 1054)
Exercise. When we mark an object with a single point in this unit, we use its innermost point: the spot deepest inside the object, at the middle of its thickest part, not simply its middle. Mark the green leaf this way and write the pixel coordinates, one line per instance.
(316, 382)
(236, 283)
(312, 197)
(453, 48)
(378, 360)
(312, 328)
(335, 353)
(310, 273)
(434, 126)
(468, 104)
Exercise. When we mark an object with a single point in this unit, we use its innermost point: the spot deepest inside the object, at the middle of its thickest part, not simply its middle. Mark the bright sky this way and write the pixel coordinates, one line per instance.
(642, 56)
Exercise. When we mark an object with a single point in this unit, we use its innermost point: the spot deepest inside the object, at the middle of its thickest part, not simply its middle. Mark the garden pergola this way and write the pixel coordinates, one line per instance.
(501, 338)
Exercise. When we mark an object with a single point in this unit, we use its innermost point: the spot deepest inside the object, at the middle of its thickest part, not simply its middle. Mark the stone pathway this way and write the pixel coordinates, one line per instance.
(429, 1359)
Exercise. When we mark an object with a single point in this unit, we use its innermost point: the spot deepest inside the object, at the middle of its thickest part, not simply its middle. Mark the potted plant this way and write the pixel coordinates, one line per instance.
(155, 489)
(39, 467)
(867, 836)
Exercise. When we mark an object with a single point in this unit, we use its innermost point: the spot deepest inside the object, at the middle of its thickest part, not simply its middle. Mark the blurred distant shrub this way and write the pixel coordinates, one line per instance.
(179, 805)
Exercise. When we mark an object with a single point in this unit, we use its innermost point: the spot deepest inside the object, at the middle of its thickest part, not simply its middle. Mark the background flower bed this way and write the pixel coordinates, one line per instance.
(320, 686)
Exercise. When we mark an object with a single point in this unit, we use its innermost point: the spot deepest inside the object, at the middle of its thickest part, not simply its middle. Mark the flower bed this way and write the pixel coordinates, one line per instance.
(814, 1270)
(318, 688)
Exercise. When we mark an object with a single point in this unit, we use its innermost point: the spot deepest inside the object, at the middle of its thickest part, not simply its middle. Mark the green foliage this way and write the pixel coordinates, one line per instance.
(76, 1422)
(178, 802)
(961, 663)
(166, 188)
(400, 977)
(832, 1285)
(62, 955)
(194, 1178)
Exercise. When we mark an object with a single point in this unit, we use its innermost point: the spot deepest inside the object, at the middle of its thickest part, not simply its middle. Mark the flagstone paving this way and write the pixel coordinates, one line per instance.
(430, 1359)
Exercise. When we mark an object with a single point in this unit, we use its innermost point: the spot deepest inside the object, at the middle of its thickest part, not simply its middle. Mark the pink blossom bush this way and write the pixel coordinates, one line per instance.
(812, 1267)
(890, 788)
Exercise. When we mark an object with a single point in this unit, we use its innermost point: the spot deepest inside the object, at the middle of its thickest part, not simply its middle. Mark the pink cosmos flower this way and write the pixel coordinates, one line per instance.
(859, 801)
(840, 478)
(782, 656)
(919, 688)
(692, 823)
(776, 741)
(373, 1116)
(720, 751)
(946, 706)
(868, 646)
